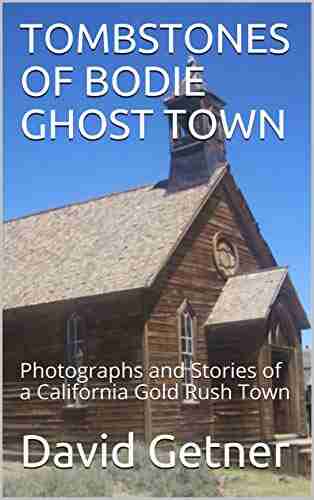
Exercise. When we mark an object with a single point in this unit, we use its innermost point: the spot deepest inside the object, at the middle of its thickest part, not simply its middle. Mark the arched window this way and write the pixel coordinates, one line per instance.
(187, 331)
(282, 331)
(75, 354)
(274, 334)
(75, 341)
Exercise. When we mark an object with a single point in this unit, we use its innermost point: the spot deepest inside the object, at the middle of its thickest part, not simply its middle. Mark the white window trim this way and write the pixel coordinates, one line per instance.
(187, 343)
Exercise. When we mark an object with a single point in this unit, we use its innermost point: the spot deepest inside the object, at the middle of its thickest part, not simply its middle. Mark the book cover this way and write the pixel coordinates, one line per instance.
(156, 272)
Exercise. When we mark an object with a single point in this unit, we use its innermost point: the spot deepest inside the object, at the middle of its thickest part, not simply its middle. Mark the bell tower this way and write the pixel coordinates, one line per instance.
(193, 160)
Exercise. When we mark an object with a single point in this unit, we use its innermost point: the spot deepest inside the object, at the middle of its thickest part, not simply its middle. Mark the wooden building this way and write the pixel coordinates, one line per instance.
(170, 273)
(307, 364)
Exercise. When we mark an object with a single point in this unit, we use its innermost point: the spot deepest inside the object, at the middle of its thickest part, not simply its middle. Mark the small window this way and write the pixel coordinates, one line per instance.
(279, 333)
(187, 338)
(274, 333)
(75, 341)
(75, 351)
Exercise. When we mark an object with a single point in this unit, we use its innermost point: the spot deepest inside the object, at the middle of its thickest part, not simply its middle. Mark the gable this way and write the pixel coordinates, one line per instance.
(191, 271)
(195, 249)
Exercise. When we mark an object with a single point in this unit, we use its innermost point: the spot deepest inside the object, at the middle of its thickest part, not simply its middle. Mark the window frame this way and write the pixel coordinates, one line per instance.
(280, 326)
(79, 340)
(75, 326)
(187, 334)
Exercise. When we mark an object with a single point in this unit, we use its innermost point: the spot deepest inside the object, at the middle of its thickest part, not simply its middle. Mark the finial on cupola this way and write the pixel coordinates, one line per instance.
(191, 60)
(201, 85)
(194, 160)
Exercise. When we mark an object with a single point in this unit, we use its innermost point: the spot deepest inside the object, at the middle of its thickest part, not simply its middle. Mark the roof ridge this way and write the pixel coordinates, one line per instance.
(83, 202)
(264, 270)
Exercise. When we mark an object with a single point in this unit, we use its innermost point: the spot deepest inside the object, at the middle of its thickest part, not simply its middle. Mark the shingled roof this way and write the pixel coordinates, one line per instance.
(250, 296)
(114, 243)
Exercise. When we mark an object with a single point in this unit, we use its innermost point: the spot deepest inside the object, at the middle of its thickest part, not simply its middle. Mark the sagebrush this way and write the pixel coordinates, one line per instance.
(144, 479)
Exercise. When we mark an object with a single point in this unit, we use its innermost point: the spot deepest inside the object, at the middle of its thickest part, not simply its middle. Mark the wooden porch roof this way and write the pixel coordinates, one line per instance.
(249, 297)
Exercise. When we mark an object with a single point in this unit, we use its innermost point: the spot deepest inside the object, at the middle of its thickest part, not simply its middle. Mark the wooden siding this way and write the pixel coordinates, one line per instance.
(142, 328)
(111, 340)
(191, 274)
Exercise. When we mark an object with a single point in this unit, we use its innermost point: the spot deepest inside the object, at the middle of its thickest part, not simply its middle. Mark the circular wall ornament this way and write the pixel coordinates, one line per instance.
(226, 255)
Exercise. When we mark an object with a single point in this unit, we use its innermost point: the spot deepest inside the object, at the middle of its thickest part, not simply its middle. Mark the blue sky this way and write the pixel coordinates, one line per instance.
(274, 175)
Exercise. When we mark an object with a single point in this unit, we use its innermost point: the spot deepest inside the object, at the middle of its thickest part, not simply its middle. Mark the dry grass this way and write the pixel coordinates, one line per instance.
(264, 483)
(147, 480)
(143, 480)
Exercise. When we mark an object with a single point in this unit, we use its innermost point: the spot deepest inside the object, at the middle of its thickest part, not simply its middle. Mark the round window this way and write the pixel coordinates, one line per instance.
(226, 255)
